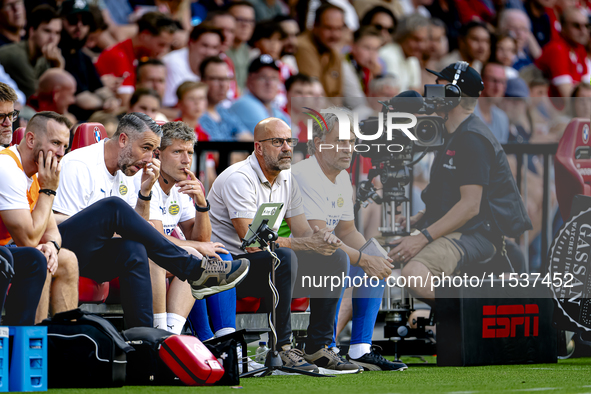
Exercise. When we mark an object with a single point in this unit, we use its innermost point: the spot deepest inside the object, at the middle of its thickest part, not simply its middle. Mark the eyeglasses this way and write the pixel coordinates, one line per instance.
(278, 142)
(380, 27)
(11, 115)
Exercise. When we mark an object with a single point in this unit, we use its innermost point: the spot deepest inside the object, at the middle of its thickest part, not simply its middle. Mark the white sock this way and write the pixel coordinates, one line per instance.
(359, 349)
(224, 331)
(175, 323)
(160, 320)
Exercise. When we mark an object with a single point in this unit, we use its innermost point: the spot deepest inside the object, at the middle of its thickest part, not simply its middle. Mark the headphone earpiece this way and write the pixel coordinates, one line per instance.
(452, 90)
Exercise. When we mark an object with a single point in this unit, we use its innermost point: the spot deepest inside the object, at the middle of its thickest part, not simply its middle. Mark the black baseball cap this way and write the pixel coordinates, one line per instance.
(262, 61)
(469, 80)
(71, 7)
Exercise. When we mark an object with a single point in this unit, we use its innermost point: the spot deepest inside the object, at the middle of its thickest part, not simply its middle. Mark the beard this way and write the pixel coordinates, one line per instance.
(5, 137)
(276, 163)
(126, 161)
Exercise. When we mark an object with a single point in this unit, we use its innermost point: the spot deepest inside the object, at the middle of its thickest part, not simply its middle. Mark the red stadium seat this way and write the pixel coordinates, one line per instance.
(88, 134)
(252, 304)
(300, 304)
(17, 136)
(247, 304)
(90, 291)
(572, 165)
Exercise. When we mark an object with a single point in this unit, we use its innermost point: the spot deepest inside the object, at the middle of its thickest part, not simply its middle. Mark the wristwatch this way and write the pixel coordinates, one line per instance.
(57, 247)
(145, 198)
(203, 209)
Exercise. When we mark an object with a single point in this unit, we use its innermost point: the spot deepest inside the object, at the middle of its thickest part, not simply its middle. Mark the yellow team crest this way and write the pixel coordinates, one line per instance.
(173, 209)
(122, 190)
(340, 202)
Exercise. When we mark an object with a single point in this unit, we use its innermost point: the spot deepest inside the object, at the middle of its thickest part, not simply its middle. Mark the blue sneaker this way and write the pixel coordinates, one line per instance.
(218, 276)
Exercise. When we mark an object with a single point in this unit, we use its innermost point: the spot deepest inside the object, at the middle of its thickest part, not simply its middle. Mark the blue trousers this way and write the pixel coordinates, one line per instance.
(89, 234)
(30, 271)
(366, 305)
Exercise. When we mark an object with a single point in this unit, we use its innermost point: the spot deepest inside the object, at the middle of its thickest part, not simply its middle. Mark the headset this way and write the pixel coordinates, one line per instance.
(452, 90)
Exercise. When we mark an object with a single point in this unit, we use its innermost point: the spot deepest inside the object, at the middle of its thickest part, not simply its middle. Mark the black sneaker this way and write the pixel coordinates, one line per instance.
(218, 276)
(373, 361)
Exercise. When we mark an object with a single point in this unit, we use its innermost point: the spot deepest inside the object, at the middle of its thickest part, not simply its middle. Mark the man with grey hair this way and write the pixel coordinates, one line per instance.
(94, 201)
(516, 23)
(402, 56)
(235, 196)
(179, 199)
(327, 193)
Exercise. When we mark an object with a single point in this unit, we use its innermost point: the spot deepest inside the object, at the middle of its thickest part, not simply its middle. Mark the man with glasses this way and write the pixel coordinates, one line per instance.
(7, 114)
(263, 86)
(495, 85)
(12, 21)
(564, 59)
(243, 13)
(218, 122)
(235, 197)
(318, 54)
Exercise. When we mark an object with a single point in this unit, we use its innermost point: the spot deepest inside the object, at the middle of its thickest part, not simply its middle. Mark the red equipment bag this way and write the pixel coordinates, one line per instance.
(190, 360)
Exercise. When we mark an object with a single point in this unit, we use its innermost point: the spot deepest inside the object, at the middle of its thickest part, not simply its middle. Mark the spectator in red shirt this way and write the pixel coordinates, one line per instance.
(564, 59)
(155, 35)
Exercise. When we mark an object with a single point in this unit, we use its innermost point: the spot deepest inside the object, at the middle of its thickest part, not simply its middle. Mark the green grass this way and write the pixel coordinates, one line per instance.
(568, 376)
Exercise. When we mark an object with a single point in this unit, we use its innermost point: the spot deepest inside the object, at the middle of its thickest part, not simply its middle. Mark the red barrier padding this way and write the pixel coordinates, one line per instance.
(572, 164)
(91, 291)
(17, 136)
(88, 134)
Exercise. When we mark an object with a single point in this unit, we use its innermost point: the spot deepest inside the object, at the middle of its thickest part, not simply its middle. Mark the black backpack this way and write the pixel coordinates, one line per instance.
(144, 366)
(84, 350)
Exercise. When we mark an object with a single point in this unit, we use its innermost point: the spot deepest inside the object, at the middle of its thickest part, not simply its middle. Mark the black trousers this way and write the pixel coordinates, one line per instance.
(89, 234)
(30, 271)
(293, 265)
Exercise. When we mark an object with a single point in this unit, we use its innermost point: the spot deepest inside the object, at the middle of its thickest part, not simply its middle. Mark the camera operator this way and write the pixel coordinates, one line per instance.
(472, 200)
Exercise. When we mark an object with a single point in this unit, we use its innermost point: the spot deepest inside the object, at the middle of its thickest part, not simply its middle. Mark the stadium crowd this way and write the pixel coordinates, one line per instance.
(220, 70)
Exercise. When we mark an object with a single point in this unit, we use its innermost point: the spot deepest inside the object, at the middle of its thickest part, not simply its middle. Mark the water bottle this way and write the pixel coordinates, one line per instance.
(261, 353)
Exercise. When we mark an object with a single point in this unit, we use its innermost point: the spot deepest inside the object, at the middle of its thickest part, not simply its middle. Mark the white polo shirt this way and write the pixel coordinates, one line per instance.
(323, 199)
(240, 190)
(84, 180)
(171, 209)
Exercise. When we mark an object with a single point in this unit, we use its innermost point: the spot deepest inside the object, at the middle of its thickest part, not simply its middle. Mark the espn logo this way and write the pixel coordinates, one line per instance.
(504, 320)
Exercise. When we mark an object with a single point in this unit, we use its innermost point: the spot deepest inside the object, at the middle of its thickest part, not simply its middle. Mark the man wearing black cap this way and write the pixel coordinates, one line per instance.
(472, 200)
(90, 94)
(263, 85)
